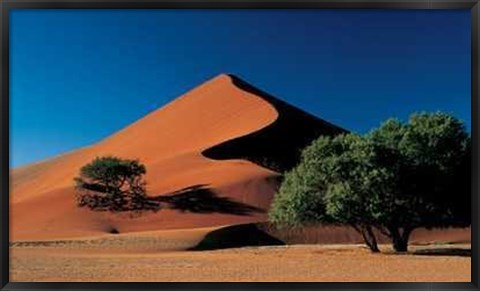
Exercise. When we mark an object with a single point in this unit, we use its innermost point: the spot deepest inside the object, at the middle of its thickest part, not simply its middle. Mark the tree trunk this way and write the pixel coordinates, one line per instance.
(368, 237)
(400, 245)
(400, 240)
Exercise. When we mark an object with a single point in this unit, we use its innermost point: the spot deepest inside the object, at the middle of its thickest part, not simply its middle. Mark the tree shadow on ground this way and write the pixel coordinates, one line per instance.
(460, 252)
(201, 199)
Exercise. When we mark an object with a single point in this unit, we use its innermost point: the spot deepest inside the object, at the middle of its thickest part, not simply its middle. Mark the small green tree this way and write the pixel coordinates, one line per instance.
(395, 179)
(335, 177)
(113, 184)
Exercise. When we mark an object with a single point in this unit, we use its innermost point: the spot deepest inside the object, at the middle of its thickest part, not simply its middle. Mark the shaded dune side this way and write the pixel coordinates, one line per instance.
(278, 145)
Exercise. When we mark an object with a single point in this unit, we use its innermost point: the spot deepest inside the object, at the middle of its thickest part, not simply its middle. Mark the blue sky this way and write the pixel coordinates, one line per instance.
(77, 76)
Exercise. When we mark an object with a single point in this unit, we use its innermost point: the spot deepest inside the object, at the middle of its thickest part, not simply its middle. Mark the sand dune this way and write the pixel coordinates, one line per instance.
(182, 144)
(224, 140)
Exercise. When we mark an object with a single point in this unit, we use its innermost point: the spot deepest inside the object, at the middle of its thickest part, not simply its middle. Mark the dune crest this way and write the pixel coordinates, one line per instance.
(204, 141)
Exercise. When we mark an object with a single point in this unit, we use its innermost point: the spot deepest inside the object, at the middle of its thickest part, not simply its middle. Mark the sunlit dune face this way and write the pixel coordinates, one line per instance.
(169, 141)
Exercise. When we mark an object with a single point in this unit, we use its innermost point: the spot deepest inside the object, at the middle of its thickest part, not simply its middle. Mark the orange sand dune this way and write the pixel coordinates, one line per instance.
(170, 142)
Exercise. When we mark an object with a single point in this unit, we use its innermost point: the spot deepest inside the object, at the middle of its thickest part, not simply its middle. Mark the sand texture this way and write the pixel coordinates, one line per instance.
(300, 263)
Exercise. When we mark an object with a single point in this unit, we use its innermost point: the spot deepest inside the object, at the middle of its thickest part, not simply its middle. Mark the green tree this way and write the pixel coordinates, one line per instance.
(331, 185)
(429, 159)
(113, 184)
(395, 179)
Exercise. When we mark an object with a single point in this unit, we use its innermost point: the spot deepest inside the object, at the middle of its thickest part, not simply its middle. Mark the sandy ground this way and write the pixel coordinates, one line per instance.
(333, 263)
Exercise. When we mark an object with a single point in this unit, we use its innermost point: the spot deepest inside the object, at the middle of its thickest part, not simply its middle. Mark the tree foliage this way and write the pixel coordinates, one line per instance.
(396, 178)
(113, 184)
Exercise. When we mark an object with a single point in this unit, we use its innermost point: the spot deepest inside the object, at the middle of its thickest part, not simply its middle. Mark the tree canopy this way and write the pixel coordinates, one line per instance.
(113, 184)
(396, 178)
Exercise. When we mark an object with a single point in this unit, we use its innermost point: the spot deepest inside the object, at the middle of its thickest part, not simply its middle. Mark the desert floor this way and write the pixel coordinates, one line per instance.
(105, 262)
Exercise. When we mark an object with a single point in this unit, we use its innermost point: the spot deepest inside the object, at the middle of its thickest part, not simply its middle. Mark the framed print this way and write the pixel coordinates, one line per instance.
(239, 145)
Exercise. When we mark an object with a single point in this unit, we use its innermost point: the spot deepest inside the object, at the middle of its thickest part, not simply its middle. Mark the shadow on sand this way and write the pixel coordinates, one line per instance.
(201, 199)
(460, 252)
(236, 236)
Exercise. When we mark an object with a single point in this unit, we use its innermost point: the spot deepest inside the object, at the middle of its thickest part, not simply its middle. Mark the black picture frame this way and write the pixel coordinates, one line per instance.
(7, 5)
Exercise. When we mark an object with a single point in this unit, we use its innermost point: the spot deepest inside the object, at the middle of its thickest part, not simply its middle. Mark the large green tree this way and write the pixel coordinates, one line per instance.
(113, 184)
(429, 160)
(398, 177)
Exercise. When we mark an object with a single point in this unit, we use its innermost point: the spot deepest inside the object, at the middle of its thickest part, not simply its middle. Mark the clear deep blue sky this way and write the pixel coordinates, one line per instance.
(79, 76)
